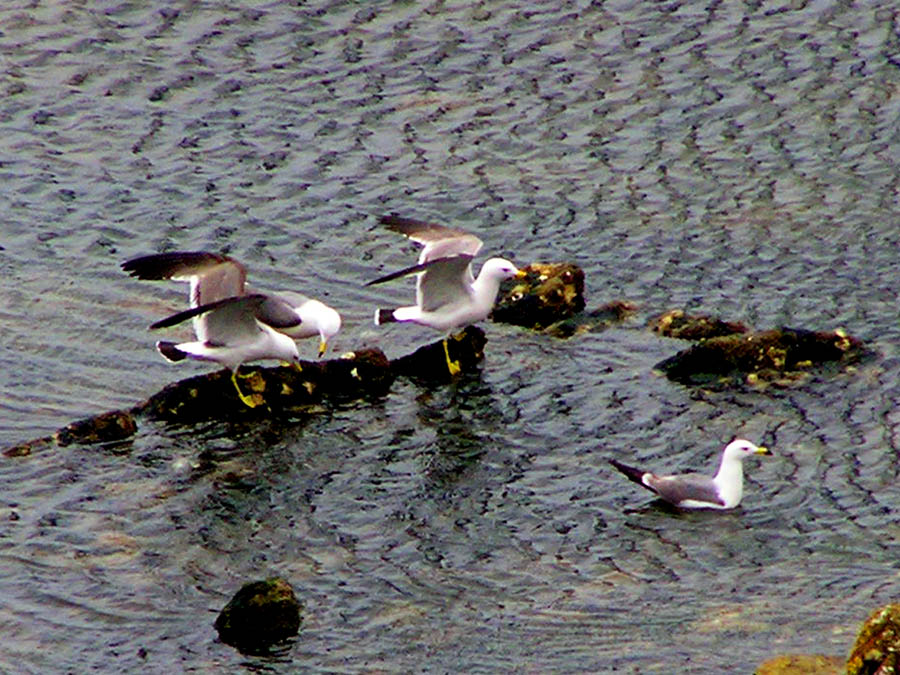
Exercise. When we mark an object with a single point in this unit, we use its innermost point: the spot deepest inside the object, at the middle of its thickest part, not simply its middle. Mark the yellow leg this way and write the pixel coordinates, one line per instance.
(452, 366)
(248, 401)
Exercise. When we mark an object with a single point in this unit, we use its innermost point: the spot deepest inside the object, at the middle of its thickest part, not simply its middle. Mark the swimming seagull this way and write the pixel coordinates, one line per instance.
(234, 324)
(696, 491)
(448, 296)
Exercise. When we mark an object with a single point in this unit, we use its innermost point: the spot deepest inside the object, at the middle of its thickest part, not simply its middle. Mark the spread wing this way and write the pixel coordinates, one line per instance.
(445, 265)
(444, 281)
(234, 320)
(438, 241)
(212, 276)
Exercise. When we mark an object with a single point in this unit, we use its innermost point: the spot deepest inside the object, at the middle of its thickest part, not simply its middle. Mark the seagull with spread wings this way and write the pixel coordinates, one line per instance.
(234, 324)
(448, 295)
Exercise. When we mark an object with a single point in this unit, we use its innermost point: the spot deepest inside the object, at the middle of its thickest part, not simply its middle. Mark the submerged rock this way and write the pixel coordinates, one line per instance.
(27, 447)
(877, 648)
(592, 322)
(770, 355)
(548, 293)
(261, 614)
(108, 427)
(676, 324)
(115, 425)
(876, 652)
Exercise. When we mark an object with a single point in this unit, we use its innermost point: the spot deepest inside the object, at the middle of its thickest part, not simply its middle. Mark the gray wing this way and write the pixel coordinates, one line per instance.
(444, 281)
(677, 489)
(231, 320)
(278, 311)
(406, 271)
(439, 241)
(212, 276)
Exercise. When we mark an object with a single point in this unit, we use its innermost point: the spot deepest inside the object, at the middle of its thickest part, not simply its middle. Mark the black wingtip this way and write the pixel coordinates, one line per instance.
(392, 220)
(170, 352)
(159, 266)
(630, 472)
(384, 316)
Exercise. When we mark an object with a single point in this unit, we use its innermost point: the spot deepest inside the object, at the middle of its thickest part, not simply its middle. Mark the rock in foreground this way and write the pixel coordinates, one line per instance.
(261, 614)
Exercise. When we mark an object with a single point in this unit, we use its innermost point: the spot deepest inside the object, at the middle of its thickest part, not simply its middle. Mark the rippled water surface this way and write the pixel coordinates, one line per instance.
(739, 159)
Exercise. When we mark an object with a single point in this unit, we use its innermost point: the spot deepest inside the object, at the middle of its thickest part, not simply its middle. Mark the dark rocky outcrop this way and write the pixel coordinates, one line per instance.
(548, 293)
(781, 354)
(277, 391)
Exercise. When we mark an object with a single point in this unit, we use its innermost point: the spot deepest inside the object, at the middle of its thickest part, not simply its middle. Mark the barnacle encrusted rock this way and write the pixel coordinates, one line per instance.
(429, 362)
(877, 647)
(280, 389)
(550, 298)
(549, 292)
(765, 355)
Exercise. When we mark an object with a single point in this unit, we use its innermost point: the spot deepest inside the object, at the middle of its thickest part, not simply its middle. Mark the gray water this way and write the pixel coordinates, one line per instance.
(739, 159)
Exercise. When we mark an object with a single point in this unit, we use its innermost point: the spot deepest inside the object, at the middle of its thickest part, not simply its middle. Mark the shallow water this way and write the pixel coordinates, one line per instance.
(736, 159)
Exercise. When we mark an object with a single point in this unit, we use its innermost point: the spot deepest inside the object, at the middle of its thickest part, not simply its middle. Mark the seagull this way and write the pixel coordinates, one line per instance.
(448, 295)
(234, 335)
(696, 491)
(233, 323)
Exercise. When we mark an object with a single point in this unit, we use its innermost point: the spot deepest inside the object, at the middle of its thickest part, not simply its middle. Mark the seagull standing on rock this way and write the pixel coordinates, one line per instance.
(448, 295)
(234, 324)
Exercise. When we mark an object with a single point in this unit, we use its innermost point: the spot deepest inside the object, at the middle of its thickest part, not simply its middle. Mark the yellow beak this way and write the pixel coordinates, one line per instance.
(763, 450)
(323, 347)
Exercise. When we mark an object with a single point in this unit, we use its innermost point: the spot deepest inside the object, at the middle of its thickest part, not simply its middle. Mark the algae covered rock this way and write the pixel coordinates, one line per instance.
(770, 355)
(109, 427)
(276, 391)
(550, 298)
(280, 389)
(115, 425)
(549, 292)
(429, 362)
(261, 614)
(678, 324)
(877, 648)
